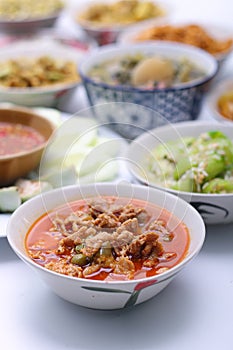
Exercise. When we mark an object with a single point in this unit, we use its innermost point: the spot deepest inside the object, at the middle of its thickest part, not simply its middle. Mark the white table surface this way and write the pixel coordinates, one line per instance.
(195, 311)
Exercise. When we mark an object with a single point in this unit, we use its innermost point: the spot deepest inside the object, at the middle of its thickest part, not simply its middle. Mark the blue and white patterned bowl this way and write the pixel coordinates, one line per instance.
(175, 104)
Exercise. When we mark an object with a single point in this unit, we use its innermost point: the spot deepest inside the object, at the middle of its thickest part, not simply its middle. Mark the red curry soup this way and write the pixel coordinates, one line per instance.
(108, 238)
(17, 138)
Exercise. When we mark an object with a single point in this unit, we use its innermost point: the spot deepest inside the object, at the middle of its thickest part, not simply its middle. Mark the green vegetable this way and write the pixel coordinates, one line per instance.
(218, 186)
(80, 259)
(76, 145)
(9, 199)
(30, 188)
(183, 164)
(60, 177)
(54, 75)
(185, 183)
(106, 250)
(78, 248)
(190, 164)
(213, 166)
(171, 150)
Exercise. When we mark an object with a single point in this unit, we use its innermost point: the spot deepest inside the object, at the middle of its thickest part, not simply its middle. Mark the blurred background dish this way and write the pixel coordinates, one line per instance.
(215, 39)
(80, 151)
(214, 207)
(43, 84)
(26, 16)
(175, 103)
(103, 20)
(220, 100)
(21, 148)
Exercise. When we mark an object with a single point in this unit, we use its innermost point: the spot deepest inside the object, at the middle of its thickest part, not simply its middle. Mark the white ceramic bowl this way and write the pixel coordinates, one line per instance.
(216, 31)
(39, 96)
(101, 294)
(214, 208)
(28, 25)
(107, 34)
(220, 88)
(175, 104)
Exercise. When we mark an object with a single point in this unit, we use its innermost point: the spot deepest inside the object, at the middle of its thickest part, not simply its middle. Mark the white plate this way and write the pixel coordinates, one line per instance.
(123, 173)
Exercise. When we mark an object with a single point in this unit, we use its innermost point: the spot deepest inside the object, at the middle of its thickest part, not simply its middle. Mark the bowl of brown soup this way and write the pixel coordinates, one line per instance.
(106, 246)
(23, 137)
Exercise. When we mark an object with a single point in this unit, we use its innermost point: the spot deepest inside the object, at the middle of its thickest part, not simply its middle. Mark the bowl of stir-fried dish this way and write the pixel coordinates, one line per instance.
(104, 20)
(215, 39)
(166, 78)
(26, 16)
(38, 72)
(106, 246)
(193, 160)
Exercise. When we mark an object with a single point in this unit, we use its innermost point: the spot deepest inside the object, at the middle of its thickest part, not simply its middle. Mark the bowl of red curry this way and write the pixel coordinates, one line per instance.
(23, 137)
(106, 246)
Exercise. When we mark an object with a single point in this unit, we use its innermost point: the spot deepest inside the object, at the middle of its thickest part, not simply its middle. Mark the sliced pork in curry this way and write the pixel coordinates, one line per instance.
(108, 238)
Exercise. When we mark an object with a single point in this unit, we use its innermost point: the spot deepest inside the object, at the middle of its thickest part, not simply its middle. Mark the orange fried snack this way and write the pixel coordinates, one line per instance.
(188, 34)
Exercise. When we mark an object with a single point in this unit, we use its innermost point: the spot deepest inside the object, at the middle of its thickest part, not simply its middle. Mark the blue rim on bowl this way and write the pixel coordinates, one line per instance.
(159, 45)
(174, 104)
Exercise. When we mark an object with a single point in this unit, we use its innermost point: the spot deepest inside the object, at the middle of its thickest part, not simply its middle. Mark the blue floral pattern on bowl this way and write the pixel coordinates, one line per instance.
(171, 106)
(161, 106)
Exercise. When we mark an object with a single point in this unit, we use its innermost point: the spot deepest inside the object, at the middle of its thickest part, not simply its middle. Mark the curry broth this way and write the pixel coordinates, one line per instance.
(42, 240)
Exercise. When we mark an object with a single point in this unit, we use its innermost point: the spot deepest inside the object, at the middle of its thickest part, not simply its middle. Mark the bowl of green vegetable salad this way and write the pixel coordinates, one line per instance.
(193, 160)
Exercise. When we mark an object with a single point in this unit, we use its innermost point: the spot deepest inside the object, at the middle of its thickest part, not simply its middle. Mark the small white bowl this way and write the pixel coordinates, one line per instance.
(48, 96)
(28, 25)
(101, 294)
(108, 33)
(223, 86)
(214, 208)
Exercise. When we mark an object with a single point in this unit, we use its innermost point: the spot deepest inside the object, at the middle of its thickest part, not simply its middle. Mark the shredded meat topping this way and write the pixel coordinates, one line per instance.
(130, 225)
(106, 220)
(61, 266)
(124, 266)
(107, 236)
